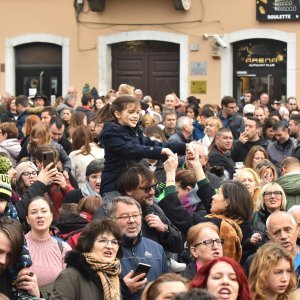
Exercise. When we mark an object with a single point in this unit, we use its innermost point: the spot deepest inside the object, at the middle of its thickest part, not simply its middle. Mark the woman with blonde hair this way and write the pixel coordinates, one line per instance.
(266, 171)
(255, 155)
(212, 125)
(251, 181)
(271, 199)
(271, 274)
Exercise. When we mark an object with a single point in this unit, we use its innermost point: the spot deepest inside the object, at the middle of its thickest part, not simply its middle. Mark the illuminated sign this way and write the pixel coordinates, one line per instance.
(259, 54)
(277, 10)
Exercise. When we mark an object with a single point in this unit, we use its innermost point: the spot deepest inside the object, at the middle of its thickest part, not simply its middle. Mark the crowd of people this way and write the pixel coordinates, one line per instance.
(123, 197)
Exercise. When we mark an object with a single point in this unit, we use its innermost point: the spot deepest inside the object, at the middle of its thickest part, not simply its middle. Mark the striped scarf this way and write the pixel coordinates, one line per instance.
(109, 275)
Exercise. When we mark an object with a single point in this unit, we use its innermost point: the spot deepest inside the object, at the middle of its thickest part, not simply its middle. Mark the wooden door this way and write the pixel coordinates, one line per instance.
(149, 65)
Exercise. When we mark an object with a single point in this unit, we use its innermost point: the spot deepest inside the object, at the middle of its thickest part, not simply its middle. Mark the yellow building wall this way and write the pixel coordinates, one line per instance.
(58, 17)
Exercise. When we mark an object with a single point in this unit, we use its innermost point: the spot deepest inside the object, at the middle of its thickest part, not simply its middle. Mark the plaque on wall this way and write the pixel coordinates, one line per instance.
(198, 87)
(198, 68)
(277, 10)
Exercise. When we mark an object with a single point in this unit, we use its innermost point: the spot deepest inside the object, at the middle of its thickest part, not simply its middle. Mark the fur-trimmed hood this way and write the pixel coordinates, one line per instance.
(77, 260)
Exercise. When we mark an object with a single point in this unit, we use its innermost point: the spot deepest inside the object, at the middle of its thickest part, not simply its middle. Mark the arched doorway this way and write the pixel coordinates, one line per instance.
(152, 66)
(38, 69)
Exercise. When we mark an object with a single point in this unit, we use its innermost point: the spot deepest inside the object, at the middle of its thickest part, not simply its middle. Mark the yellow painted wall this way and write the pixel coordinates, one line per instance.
(19, 17)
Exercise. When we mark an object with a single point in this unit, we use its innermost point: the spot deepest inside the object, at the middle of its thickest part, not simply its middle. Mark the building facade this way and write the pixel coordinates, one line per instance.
(205, 48)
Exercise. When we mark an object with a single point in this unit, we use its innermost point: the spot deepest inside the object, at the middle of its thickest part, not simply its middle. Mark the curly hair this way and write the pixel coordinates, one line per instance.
(265, 259)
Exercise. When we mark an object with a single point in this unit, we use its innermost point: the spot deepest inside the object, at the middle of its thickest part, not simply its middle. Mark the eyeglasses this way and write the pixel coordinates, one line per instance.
(211, 242)
(27, 174)
(275, 193)
(147, 189)
(104, 242)
(135, 218)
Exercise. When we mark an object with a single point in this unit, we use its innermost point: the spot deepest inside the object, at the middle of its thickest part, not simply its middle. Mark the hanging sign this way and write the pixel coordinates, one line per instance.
(277, 10)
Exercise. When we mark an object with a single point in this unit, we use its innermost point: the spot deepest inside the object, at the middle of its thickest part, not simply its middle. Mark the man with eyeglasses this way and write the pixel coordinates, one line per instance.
(229, 117)
(135, 247)
(138, 182)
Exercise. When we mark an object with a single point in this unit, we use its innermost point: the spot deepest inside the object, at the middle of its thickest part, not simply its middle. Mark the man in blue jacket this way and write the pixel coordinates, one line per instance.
(136, 249)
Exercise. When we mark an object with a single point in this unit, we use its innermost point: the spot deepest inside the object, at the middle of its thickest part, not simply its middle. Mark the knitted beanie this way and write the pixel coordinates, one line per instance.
(86, 89)
(5, 187)
(95, 94)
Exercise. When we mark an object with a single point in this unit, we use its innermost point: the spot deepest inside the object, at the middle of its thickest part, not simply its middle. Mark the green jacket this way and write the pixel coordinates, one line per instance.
(291, 186)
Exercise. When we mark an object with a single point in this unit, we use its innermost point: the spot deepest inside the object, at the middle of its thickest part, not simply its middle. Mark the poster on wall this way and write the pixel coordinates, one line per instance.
(277, 10)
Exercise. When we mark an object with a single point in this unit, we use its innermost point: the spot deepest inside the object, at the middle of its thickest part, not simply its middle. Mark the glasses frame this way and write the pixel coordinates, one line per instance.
(269, 194)
(210, 242)
(147, 189)
(126, 219)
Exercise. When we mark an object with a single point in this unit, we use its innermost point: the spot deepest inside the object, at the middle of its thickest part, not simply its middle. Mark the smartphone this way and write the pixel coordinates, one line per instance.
(48, 157)
(141, 268)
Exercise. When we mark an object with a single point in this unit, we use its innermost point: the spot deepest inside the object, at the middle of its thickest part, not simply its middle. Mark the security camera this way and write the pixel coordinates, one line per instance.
(218, 40)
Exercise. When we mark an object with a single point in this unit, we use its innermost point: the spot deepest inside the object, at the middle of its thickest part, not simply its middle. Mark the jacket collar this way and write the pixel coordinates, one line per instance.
(128, 242)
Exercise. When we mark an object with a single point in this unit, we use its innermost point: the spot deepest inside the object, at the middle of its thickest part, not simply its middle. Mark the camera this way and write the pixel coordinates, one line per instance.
(218, 40)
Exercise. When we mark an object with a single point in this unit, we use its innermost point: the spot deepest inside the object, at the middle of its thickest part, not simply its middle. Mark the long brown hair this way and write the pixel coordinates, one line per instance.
(29, 123)
(82, 137)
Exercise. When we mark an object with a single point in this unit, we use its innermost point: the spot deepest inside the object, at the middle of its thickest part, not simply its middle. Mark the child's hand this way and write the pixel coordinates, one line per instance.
(168, 152)
(171, 164)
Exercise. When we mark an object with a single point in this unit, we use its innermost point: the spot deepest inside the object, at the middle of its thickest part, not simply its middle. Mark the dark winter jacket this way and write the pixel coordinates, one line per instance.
(66, 144)
(190, 270)
(73, 196)
(239, 151)
(235, 123)
(171, 240)
(85, 110)
(78, 281)
(21, 122)
(278, 153)
(124, 145)
(221, 159)
(143, 251)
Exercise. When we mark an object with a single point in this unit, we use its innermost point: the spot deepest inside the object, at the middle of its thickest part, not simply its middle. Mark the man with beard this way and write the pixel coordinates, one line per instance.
(248, 139)
(135, 247)
(282, 147)
(294, 131)
(138, 182)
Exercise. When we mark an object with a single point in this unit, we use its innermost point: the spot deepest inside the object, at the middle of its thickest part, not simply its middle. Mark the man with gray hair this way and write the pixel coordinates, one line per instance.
(136, 249)
(282, 230)
(184, 133)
